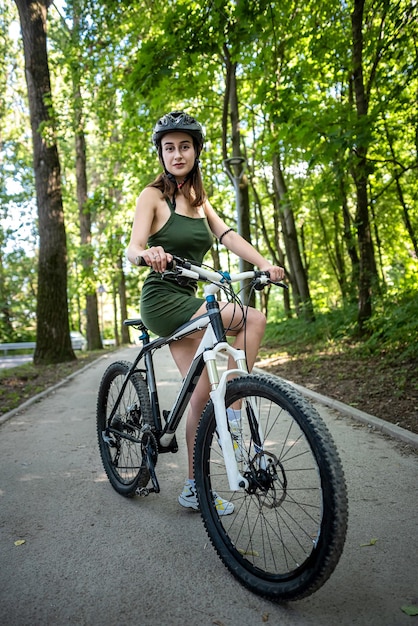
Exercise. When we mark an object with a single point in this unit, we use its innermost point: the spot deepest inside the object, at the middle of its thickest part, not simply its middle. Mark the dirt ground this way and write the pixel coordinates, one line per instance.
(386, 390)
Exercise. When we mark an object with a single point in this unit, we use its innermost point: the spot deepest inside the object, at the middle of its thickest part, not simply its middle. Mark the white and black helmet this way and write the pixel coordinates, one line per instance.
(178, 121)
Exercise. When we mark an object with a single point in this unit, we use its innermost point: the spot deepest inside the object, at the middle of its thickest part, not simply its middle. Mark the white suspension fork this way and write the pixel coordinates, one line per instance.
(217, 394)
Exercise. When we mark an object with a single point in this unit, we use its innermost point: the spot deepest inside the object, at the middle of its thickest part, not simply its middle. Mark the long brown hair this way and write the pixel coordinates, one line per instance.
(192, 189)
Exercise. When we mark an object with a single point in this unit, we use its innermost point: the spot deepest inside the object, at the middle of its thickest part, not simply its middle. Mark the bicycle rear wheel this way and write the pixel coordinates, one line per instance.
(288, 528)
(120, 448)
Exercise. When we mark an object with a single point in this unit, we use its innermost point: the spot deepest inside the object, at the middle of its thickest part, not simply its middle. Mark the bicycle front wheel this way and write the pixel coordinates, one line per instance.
(120, 447)
(287, 530)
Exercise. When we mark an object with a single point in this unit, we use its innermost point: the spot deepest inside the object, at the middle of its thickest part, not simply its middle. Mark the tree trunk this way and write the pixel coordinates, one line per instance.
(243, 201)
(367, 273)
(339, 256)
(281, 256)
(350, 242)
(332, 246)
(94, 339)
(297, 276)
(122, 300)
(274, 248)
(406, 216)
(397, 177)
(53, 344)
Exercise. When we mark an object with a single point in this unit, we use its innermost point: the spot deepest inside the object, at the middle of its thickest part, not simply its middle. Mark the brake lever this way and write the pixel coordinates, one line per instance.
(173, 270)
(259, 286)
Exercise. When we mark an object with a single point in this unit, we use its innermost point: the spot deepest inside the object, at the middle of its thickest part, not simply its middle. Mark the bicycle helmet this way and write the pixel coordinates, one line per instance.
(178, 121)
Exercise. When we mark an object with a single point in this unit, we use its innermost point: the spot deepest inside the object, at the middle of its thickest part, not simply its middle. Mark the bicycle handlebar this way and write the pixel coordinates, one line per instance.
(186, 268)
(197, 272)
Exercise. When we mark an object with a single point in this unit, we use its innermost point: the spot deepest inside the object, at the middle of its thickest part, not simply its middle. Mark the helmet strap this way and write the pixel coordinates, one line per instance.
(173, 179)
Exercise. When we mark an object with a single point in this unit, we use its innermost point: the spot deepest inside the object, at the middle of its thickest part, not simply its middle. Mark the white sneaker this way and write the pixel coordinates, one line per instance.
(188, 499)
(224, 507)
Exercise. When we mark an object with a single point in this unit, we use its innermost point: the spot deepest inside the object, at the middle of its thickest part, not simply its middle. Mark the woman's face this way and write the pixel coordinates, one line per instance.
(178, 153)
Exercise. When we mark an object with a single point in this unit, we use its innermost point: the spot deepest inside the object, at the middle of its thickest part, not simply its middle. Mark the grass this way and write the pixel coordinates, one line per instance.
(392, 331)
(18, 384)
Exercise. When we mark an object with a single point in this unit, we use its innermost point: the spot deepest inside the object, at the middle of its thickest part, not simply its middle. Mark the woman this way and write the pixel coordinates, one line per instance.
(174, 217)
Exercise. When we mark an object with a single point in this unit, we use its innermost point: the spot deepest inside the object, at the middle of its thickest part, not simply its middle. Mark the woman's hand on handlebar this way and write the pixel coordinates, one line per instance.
(276, 272)
(157, 258)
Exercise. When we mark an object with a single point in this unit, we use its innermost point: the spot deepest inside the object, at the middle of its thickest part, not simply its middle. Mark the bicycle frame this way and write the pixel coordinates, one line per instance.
(205, 355)
(211, 344)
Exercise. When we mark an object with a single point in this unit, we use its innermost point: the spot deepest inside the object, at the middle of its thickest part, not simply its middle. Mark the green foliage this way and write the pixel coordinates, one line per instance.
(327, 332)
(394, 325)
(392, 330)
(134, 61)
(17, 296)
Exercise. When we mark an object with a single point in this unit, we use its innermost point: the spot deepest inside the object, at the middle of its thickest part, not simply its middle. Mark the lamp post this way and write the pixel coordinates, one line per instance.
(231, 166)
(101, 290)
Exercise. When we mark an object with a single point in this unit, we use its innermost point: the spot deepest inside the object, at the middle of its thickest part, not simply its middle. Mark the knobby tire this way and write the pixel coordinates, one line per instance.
(287, 532)
(122, 458)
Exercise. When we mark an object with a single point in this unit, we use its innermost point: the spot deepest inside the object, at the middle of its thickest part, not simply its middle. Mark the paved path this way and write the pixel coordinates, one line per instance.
(93, 558)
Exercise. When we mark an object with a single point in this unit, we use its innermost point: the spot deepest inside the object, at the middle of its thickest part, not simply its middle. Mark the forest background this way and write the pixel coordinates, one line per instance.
(312, 107)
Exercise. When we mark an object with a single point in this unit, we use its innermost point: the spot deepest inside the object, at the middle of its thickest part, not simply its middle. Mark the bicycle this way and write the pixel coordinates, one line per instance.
(287, 531)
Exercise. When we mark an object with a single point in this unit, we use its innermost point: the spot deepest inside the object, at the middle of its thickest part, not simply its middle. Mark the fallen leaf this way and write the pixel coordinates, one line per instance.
(265, 617)
(411, 609)
(248, 552)
(20, 542)
(372, 542)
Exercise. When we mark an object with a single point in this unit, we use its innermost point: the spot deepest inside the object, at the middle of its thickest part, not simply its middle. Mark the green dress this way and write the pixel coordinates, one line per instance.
(166, 305)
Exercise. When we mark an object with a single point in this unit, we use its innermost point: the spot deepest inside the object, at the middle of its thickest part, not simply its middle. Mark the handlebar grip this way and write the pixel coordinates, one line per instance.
(142, 263)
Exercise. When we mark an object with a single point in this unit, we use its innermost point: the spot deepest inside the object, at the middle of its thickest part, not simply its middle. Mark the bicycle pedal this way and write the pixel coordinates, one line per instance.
(143, 492)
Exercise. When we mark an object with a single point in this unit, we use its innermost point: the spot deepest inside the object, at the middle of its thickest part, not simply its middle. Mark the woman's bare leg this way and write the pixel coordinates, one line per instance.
(184, 350)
